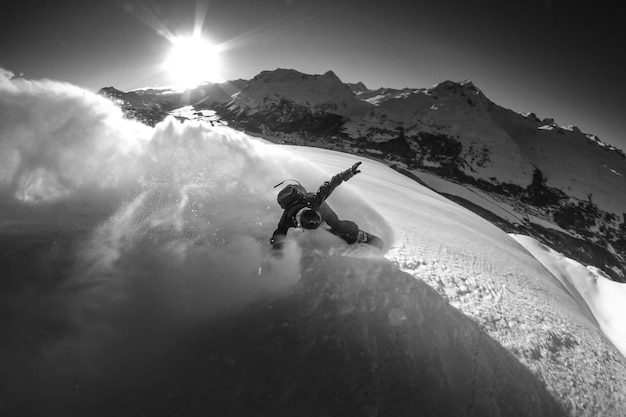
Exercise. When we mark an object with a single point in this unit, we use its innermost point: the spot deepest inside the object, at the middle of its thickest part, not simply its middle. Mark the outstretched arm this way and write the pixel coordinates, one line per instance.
(278, 237)
(329, 186)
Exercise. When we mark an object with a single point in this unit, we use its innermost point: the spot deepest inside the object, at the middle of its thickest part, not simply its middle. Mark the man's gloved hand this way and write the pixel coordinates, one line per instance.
(355, 168)
(351, 172)
(278, 242)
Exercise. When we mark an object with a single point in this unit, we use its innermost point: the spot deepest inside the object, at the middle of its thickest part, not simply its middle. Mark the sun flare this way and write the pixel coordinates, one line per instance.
(193, 60)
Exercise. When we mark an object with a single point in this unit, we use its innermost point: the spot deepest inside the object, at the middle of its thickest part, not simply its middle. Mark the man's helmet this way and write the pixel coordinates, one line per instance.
(309, 219)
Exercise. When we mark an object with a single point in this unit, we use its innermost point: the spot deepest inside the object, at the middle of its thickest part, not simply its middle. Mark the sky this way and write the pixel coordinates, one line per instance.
(558, 59)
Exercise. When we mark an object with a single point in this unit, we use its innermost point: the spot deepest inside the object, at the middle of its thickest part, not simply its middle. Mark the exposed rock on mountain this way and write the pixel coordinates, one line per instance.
(152, 105)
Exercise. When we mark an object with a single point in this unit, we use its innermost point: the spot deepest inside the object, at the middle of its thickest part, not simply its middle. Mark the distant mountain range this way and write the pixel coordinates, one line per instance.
(524, 174)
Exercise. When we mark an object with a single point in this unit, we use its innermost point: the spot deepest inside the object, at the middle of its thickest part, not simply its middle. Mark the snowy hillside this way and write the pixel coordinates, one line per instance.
(137, 280)
(560, 185)
(567, 179)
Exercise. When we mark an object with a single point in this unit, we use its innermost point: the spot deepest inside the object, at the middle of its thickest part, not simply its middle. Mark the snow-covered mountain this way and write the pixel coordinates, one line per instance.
(558, 183)
(486, 142)
(152, 105)
(316, 93)
(570, 181)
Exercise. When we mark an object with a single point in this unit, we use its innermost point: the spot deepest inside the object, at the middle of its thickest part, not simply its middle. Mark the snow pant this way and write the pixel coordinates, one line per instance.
(345, 229)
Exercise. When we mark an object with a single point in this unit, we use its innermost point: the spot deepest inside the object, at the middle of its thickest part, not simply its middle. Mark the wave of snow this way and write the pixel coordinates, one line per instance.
(146, 228)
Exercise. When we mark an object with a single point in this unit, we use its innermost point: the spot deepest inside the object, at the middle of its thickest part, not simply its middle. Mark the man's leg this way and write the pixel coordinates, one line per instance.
(345, 229)
(348, 230)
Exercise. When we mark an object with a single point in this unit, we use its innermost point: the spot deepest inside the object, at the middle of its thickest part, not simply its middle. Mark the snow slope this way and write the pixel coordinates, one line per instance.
(589, 286)
(118, 242)
(432, 231)
(530, 309)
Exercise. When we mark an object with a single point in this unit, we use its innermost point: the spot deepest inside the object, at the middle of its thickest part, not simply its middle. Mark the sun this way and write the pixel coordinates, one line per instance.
(193, 60)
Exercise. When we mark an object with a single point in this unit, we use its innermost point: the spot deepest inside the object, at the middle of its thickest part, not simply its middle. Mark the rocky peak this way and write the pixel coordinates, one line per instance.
(319, 93)
(358, 88)
(111, 92)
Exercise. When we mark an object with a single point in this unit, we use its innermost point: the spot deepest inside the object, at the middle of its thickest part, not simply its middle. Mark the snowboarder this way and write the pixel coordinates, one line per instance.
(310, 210)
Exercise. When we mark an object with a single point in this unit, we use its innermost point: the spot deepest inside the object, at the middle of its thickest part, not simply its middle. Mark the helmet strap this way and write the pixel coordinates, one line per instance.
(284, 181)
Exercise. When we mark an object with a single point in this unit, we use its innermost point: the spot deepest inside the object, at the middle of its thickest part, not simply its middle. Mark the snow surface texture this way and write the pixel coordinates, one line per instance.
(589, 286)
(117, 238)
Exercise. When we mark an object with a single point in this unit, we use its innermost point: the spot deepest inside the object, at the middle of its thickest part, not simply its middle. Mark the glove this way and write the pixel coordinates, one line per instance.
(355, 168)
(351, 172)
(277, 242)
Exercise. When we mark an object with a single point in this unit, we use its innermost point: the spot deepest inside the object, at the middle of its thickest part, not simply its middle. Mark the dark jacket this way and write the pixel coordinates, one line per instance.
(315, 201)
